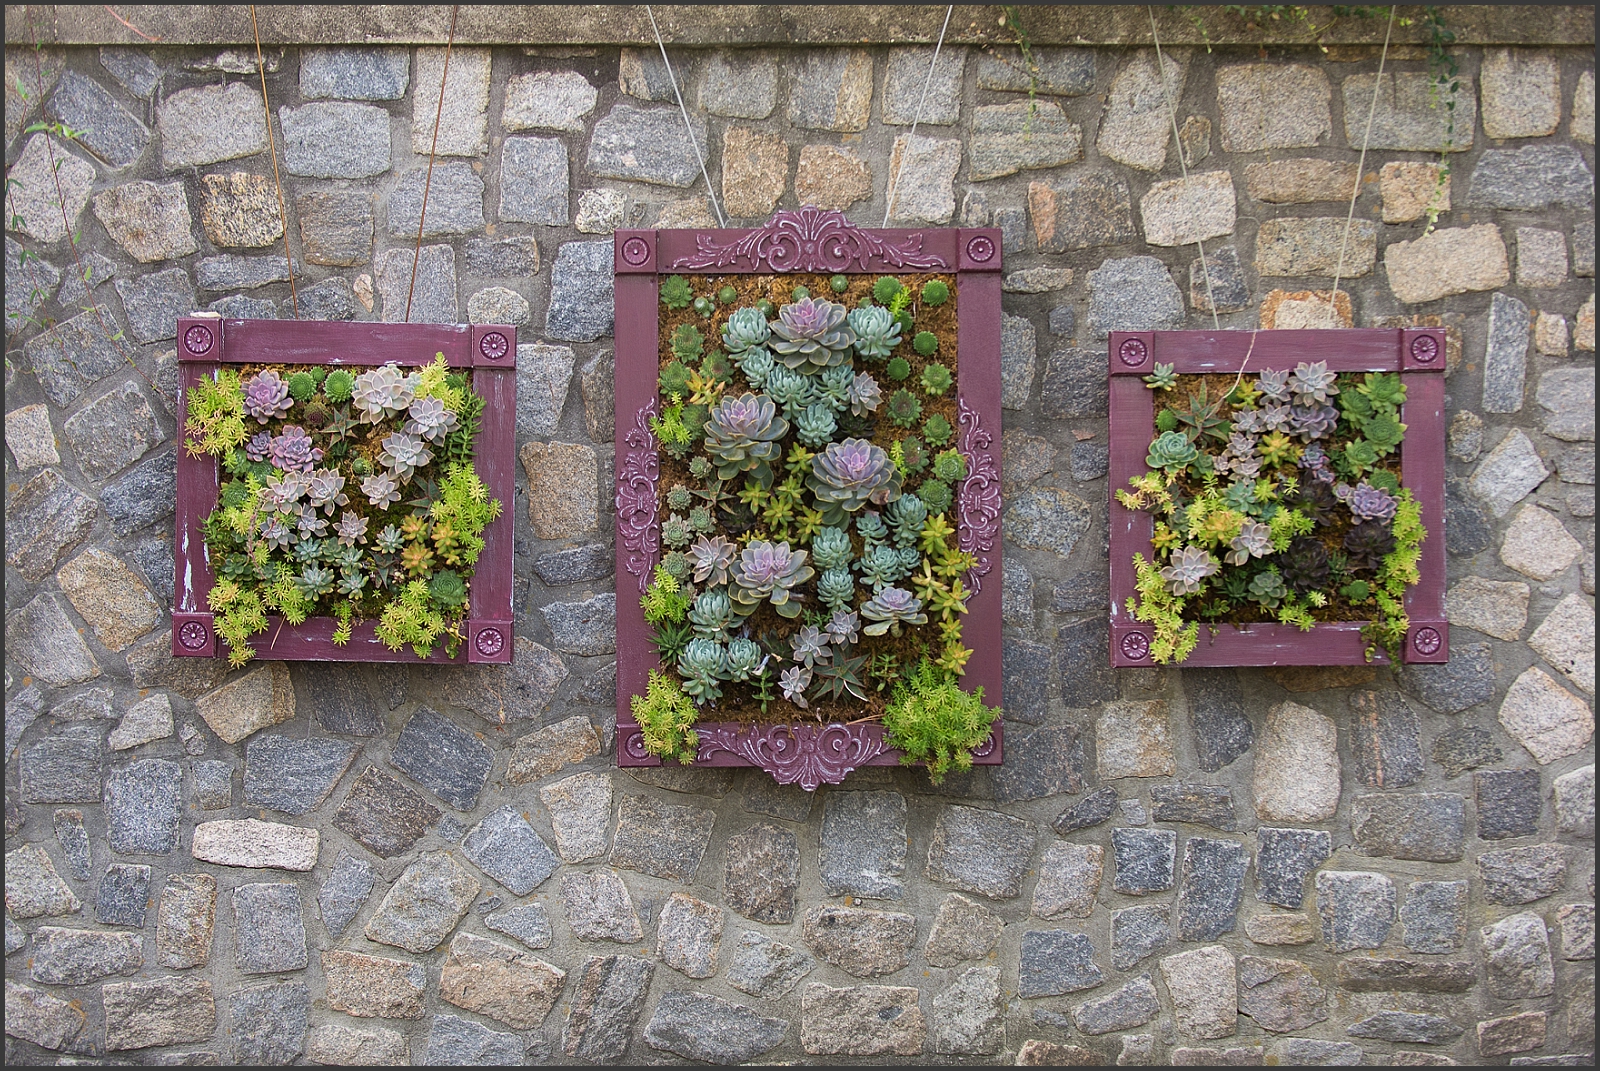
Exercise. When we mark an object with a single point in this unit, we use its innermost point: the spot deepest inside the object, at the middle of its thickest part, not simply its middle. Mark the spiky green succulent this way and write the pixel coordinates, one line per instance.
(935, 494)
(949, 466)
(913, 455)
(743, 435)
(937, 430)
(935, 292)
(903, 408)
(676, 292)
(847, 476)
(925, 343)
(898, 369)
(935, 379)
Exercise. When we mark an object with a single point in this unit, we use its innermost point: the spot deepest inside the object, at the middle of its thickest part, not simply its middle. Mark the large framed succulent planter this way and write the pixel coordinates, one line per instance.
(808, 497)
(1277, 497)
(344, 491)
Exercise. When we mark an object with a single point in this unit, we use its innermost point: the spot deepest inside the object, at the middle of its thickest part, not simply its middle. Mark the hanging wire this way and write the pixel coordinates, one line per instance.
(686, 125)
(427, 184)
(1372, 110)
(1183, 165)
(277, 180)
(894, 183)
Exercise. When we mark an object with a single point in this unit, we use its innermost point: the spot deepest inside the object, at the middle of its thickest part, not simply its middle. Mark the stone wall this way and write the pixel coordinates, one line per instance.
(387, 864)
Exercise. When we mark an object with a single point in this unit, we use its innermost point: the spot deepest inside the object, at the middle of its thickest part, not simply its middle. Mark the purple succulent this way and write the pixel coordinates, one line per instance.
(864, 395)
(1313, 422)
(291, 450)
(1276, 417)
(1189, 569)
(891, 607)
(1315, 461)
(382, 490)
(1312, 384)
(713, 558)
(1274, 385)
(430, 419)
(849, 475)
(383, 392)
(256, 448)
(769, 572)
(266, 396)
(812, 333)
(311, 524)
(794, 681)
(810, 646)
(1253, 541)
(743, 433)
(327, 491)
(351, 529)
(843, 626)
(276, 534)
(404, 454)
(1249, 421)
(1366, 502)
(282, 493)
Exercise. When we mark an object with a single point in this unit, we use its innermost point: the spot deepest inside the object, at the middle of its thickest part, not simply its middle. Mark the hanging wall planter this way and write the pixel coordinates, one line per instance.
(344, 491)
(1278, 497)
(808, 496)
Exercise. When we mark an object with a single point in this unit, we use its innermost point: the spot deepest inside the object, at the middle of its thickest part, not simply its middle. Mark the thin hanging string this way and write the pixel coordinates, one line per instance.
(673, 78)
(427, 184)
(894, 183)
(1361, 166)
(277, 180)
(1183, 165)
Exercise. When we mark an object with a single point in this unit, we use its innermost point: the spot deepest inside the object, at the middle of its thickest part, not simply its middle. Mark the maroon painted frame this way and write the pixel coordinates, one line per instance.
(1416, 353)
(807, 240)
(206, 343)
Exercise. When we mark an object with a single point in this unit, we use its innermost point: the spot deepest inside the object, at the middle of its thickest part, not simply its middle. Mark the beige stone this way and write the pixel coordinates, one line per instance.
(1497, 608)
(544, 751)
(1411, 189)
(1306, 309)
(1137, 124)
(1069, 881)
(861, 1020)
(33, 201)
(754, 169)
(493, 979)
(1280, 929)
(563, 489)
(148, 719)
(1550, 335)
(1583, 327)
(1202, 984)
(240, 210)
(341, 1046)
(1316, 246)
(1537, 544)
(373, 986)
(256, 844)
(110, 596)
(261, 697)
(1582, 125)
(30, 437)
(922, 176)
(1300, 181)
(33, 1015)
(1297, 766)
(1545, 718)
(1447, 262)
(1188, 210)
(580, 811)
(1133, 738)
(185, 921)
(1541, 257)
(34, 887)
(1565, 639)
(149, 220)
(1273, 106)
(1521, 93)
(159, 1011)
(686, 212)
(831, 177)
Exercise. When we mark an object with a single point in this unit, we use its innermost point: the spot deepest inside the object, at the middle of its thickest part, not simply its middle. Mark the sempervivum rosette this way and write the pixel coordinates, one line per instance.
(812, 334)
(769, 572)
(850, 475)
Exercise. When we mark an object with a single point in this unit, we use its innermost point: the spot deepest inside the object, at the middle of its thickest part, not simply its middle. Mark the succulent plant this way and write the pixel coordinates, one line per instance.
(816, 424)
(1165, 377)
(830, 548)
(276, 534)
(903, 408)
(327, 491)
(383, 392)
(700, 467)
(744, 659)
(1253, 541)
(844, 627)
(1249, 421)
(833, 387)
(1312, 384)
(382, 489)
(913, 456)
(849, 475)
(255, 449)
(905, 516)
(430, 419)
(756, 364)
(1367, 543)
(810, 646)
(793, 682)
(1188, 570)
(1314, 460)
(1274, 385)
(790, 389)
(339, 386)
(302, 386)
(935, 292)
(388, 539)
(1276, 416)
(675, 530)
(936, 495)
(743, 433)
(889, 609)
(404, 454)
(712, 559)
(877, 332)
(1304, 564)
(769, 572)
(702, 666)
(1171, 450)
(351, 529)
(880, 567)
(936, 379)
(885, 288)
(309, 523)
(1312, 422)
(1366, 502)
(746, 329)
(926, 343)
(291, 450)
(266, 397)
(898, 369)
(711, 613)
(1267, 588)
(871, 529)
(701, 521)
(677, 565)
(836, 587)
(812, 333)
(315, 580)
(864, 395)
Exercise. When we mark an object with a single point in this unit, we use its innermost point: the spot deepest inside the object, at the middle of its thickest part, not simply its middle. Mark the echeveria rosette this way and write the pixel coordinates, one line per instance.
(404, 454)
(713, 559)
(1171, 450)
(816, 425)
(810, 647)
(1367, 543)
(769, 572)
(1318, 468)
(793, 682)
(833, 387)
(327, 491)
(1312, 422)
(877, 332)
(1312, 384)
(711, 613)
(351, 529)
(811, 334)
(1304, 565)
(1253, 541)
(850, 475)
(291, 450)
(429, 419)
(790, 389)
(865, 395)
(830, 548)
(1267, 589)
(756, 364)
(1274, 385)
(1366, 502)
(258, 445)
(702, 666)
(382, 393)
(891, 608)
(744, 659)
(836, 588)
(266, 396)
(1188, 569)
(743, 433)
(382, 490)
(284, 491)
(745, 330)
(843, 627)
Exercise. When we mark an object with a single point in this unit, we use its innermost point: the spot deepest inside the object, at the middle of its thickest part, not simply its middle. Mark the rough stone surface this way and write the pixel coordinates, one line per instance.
(1073, 384)
(1204, 996)
(209, 124)
(335, 140)
(967, 1017)
(34, 1016)
(340, 1045)
(261, 698)
(144, 805)
(293, 776)
(385, 816)
(529, 924)
(72, 354)
(1136, 127)
(161, 1011)
(1219, 284)
(762, 874)
(1427, 826)
(1145, 860)
(1272, 107)
(1297, 771)
(1132, 294)
(922, 173)
(1080, 212)
(1284, 858)
(1517, 956)
(1532, 178)
(355, 73)
(505, 847)
(424, 905)
(859, 942)
(645, 145)
(1304, 180)
(763, 967)
(36, 199)
(123, 896)
(1281, 995)
(493, 979)
(1212, 887)
(1134, 739)
(1138, 933)
(185, 920)
(1574, 801)
(1277, 929)
(689, 935)
(154, 302)
(1069, 881)
(41, 639)
(457, 1041)
(433, 300)
(270, 931)
(1507, 803)
(1523, 875)
(442, 757)
(698, 1026)
(1494, 607)
(863, 845)
(1008, 138)
(1047, 519)
(62, 956)
(1189, 210)
(980, 851)
(580, 811)
(1545, 718)
(608, 998)
(112, 431)
(1357, 909)
(599, 908)
(252, 843)
(1055, 962)
(1452, 260)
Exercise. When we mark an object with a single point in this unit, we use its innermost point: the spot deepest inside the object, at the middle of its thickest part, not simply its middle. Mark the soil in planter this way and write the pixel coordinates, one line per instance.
(739, 702)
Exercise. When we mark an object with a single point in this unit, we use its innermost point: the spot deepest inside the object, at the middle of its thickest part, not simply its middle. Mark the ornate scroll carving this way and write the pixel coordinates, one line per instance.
(637, 533)
(807, 755)
(810, 239)
(978, 505)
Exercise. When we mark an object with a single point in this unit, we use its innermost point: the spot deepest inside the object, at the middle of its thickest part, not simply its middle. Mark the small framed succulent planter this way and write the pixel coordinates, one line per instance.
(808, 497)
(1278, 497)
(344, 491)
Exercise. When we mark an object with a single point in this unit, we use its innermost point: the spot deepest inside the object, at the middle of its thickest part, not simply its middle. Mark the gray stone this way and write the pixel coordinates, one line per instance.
(76, 957)
(1538, 545)
(231, 272)
(1517, 956)
(1028, 280)
(41, 639)
(1281, 995)
(1357, 909)
(1062, 72)
(1494, 607)
(344, 892)
(916, 88)
(528, 923)
(663, 840)
(335, 140)
(1583, 251)
(1016, 607)
(455, 201)
(112, 431)
(522, 690)
(123, 896)
(1363, 975)
(293, 776)
(1040, 764)
(70, 356)
(1283, 859)
(134, 70)
(981, 851)
(342, 1046)
(1047, 518)
(453, 1041)
(761, 872)
(75, 289)
(599, 908)
(1402, 1026)
(1221, 731)
(1386, 744)
(1133, 294)
(1310, 1052)
(64, 767)
(1086, 678)
(213, 785)
(1463, 682)
(505, 847)
(1545, 718)
(739, 83)
(1577, 931)
(580, 811)
(1093, 809)
(1018, 351)
(1063, 321)
(922, 171)
(698, 1026)
(341, 702)
(1563, 394)
(962, 929)
(543, 375)
(1212, 887)
(1138, 933)
(1574, 802)
(1467, 532)
(1026, 667)
(385, 816)
(645, 145)
(1008, 138)
(1218, 284)
(30, 281)
(583, 628)
(1427, 826)
(1136, 125)
(1465, 436)
(597, 379)
(1145, 860)
(608, 997)
(1523, 875)
(443, 757)
(1202, 986)
(548, 100)
(497, 305)
(863, 1020)
(1272, 106)
(546, 751)
(354, 73)
(502, 257)
(1506, 355)
(968, 1017)
(1407, 116)
(1090, 461)
(270, 930)
(1074, 384)
(1054, 962)
(105, 127)
(580, 292)
(593, 561)
(764, 796)
(1194, 209)
(1541, 262)
(74, 841)
(534, 180)
(1069, 881)
(459, 125)
(424, 905)
(763, 967)
(859, 942)
(1207, 805)
(689, 935)
(144, 803)
(161, 1011)
(143, 495)
(22, 710)
(1532, 178)
(16, 937)
(240, 307)
(1133, 738)
(269, 1022)
(1080, 212)
(208, 124)
(36, 204)
(1507, 803)
(336, 225)
(33, 886)
(1521, 92)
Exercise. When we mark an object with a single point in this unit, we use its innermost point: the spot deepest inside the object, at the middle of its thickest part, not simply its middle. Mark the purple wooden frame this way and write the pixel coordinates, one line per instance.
(206, 343)
(807, 240)
(1416, 353)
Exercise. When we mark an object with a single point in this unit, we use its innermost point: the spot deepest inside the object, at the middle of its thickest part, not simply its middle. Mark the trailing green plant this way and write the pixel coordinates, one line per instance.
(933, 721)
(666, 717)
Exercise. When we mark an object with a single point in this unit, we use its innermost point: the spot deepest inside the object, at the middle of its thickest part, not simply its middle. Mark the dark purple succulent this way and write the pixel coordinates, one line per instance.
(1366, 502)
(291, 450)
(1305, 565)
(1367, 543)
(266, 396)
(1316, 464)
(1317, 500)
